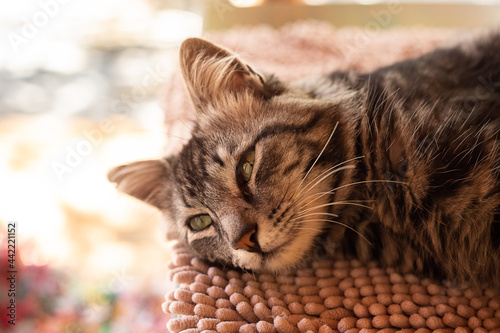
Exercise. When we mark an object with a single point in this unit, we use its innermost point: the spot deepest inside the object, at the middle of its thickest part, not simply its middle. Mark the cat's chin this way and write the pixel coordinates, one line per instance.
(281, 260)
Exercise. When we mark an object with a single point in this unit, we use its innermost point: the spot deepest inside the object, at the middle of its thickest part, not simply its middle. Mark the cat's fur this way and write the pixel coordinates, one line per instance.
(406, 159)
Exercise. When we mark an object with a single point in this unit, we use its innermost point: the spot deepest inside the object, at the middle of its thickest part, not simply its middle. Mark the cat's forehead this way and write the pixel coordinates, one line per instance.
(240, 113)
(224, 144)
(227, 131)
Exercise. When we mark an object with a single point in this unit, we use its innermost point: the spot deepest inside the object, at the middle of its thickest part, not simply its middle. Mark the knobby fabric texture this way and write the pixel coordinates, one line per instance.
(328, 296)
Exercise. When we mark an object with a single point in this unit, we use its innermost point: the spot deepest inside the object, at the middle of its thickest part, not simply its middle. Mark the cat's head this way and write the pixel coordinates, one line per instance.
(243, 190)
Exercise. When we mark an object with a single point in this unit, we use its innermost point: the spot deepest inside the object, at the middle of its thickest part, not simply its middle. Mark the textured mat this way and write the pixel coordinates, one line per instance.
(329, 296)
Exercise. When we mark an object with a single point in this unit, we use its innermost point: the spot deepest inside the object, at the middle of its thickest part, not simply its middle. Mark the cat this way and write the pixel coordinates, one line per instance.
(401, 165)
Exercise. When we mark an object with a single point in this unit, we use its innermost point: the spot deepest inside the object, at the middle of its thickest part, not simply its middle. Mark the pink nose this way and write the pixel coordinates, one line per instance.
(245, 242)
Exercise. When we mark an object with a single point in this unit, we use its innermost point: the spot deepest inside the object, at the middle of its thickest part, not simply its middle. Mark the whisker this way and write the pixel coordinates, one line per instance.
(326, 176)
(312, 214)
(344, 202)
(309, 229)
(300, 194)
(335, 204)
(300, 200)
(371, 181)
(330, 171)
(326, 171)
(317, 195)
(344, 225)
(321, 194)
(307, 187)
(322, 150)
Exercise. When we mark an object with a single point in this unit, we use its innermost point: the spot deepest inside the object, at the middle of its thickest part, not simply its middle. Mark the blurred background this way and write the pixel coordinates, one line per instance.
(81, 85)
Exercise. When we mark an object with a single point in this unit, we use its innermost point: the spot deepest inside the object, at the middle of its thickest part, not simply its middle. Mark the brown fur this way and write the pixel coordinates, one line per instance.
(401, 164)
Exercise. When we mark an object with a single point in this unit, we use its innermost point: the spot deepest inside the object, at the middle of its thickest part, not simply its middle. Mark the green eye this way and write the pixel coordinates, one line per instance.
(200, 222)
(246, 164)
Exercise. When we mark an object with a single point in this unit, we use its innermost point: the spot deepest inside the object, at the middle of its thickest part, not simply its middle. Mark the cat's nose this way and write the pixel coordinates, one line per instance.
(248, 241)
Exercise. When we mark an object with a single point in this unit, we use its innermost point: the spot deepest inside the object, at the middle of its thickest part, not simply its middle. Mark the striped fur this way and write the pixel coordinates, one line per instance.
(400, 165)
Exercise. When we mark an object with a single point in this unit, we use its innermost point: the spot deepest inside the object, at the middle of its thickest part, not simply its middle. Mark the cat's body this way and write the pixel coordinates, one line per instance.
(406, 159)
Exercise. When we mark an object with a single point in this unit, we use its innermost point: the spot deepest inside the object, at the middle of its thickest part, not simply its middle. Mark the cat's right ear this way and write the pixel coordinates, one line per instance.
(211, 73)
(145, 180)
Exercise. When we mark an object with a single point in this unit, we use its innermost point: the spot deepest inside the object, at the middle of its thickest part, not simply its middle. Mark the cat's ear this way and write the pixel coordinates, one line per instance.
(144, 180)
(210, 72)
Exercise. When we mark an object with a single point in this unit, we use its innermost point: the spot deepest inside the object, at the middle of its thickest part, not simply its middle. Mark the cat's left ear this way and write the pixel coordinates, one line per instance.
(211, 72)
(148, 180)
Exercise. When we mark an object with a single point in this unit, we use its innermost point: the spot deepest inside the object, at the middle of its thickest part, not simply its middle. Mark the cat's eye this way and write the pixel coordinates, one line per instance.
(245, 167)
(200, 222)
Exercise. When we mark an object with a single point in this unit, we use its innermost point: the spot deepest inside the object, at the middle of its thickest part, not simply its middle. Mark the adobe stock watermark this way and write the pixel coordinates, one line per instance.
(381, 19)
(11, 272)
(154, 78)
(462, 113)
(47, 10)
(84, 147)
(92, 138)
(487, 86)
(325, 248)
(221, 7)
(459, 119)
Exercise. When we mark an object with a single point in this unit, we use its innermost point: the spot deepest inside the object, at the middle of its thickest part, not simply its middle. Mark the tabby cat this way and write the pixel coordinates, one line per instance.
(401, 165)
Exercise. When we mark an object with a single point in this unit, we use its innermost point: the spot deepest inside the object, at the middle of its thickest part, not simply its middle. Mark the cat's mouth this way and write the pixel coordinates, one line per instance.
(281, 258)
